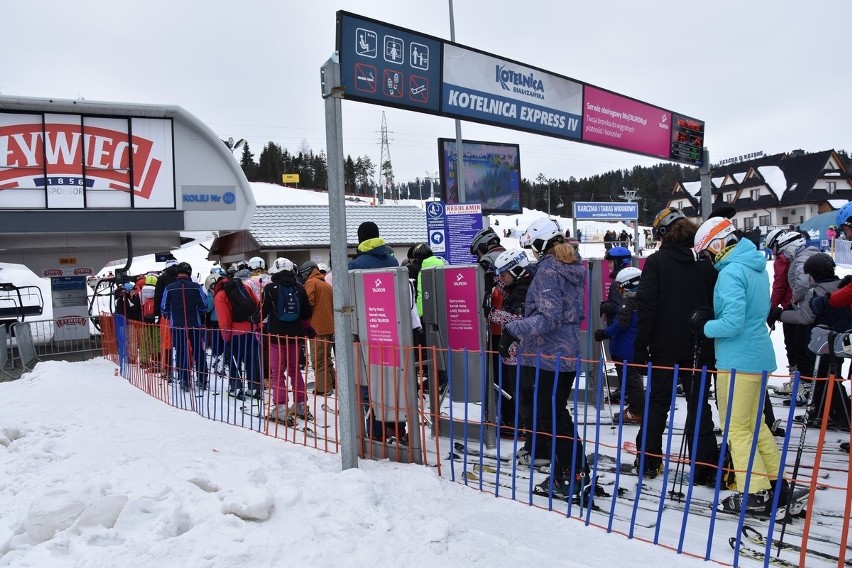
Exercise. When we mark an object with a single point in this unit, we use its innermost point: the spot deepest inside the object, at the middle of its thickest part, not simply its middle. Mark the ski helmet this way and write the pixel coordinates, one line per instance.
(482, 240)
(664, 220)
(421, 252)
(714, 235)
(256, 263)
(621, 255)
(184, 268)
(306, 268)
(844, 216)
(322, 267)
(217, 270)
(541, 234)
(789, 243)
(211, 280)
(514, 262)
(282, 264)
(628, 278)
(819, 266)
(772, 238)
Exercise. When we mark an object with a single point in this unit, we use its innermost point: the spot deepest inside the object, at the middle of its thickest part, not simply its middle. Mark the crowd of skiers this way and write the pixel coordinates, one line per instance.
(192, 329)
(701, 302)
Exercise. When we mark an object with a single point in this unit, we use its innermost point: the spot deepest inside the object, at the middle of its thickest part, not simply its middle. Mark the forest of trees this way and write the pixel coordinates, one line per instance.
(652, 185)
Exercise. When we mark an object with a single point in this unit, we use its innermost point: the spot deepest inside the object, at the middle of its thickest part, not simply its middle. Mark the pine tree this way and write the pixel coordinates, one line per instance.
(248, 164)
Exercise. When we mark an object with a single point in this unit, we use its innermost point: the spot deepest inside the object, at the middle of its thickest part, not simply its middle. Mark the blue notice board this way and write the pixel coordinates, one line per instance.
(451, 228)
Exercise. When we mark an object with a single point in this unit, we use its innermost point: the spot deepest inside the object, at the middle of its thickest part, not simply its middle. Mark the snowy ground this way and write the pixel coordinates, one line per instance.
(134, 482)
(139, 483)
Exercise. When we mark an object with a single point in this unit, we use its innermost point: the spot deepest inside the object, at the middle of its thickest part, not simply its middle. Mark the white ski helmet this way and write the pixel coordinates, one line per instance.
(211, 280)
(282, 264)
(789, 243)
(714, 235)
(256, 263)
(514, 262)
(540, 234)
(772, 238)
(628, 278)
(322, 267)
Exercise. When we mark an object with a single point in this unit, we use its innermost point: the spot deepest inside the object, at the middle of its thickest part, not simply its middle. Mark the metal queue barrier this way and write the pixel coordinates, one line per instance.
(454, 324)
(382, 330)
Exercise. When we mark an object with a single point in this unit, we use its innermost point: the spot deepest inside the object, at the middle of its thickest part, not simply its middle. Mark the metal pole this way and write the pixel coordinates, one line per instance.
(706, 197)
(459, 152)
(332, 92)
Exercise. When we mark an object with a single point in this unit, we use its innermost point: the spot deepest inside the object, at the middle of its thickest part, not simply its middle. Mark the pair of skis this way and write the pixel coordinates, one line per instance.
(753, 536)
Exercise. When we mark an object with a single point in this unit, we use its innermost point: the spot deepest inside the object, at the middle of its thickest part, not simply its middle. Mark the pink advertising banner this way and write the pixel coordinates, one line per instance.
(618, 122)
(381, 316)
(463, 322)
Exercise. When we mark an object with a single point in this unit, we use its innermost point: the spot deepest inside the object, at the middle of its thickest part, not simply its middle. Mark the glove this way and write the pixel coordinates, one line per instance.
(310, 332)
(600, 335)
(774, 314)
(506, 340)
(844, 281)
(819, 304)
(698, 318)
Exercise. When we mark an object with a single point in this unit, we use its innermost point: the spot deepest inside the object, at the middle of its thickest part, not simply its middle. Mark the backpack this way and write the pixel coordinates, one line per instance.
(243, 306)
(289, 305)
(148, 308)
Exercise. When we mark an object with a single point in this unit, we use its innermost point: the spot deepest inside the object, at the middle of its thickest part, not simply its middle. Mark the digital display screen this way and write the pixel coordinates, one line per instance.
(492, 174)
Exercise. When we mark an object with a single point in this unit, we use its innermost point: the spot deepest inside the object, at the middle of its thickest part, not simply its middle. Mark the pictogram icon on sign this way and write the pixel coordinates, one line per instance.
(394, 49)
(392, 83)
(366, 43)
(418, 56)
(365, 78)
(418, 89)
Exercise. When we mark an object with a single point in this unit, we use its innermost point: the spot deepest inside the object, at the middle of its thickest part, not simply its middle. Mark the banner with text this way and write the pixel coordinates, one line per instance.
(586, 210)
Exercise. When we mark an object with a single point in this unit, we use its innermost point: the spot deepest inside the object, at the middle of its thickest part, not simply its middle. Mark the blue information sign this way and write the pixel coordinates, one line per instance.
(387, 65)
(451, 227)
(606, 210)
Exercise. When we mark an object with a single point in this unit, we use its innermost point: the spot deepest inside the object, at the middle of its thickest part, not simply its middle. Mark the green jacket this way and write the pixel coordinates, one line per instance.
(431, 261)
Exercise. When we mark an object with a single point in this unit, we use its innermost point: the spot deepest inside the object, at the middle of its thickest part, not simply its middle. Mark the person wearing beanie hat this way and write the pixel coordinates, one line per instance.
(372, 250)
(367, 230)
(374, 253)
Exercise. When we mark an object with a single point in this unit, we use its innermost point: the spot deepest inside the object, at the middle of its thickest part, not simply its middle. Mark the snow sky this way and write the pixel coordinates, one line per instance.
(251, 69)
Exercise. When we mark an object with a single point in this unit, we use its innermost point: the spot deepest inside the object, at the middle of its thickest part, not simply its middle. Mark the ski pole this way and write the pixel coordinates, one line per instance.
(798, 461)
(608, 391)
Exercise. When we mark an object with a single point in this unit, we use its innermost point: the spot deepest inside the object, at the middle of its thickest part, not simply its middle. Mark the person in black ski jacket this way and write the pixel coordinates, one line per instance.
(618, 258)
(673, 285)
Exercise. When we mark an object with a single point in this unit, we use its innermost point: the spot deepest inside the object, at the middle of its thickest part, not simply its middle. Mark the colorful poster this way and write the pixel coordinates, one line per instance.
(463, 321)
(618, 122)
(71, 161)
(381, 319)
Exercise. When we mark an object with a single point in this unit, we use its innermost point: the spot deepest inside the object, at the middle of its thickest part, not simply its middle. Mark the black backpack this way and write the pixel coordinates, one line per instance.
(243, 306)
(289, 304)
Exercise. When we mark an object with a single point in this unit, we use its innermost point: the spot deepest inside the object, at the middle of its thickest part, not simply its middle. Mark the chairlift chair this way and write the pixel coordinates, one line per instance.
(19, 302)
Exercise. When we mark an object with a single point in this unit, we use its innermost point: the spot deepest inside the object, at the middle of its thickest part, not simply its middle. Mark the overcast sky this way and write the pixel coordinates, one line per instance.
(765, 75)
